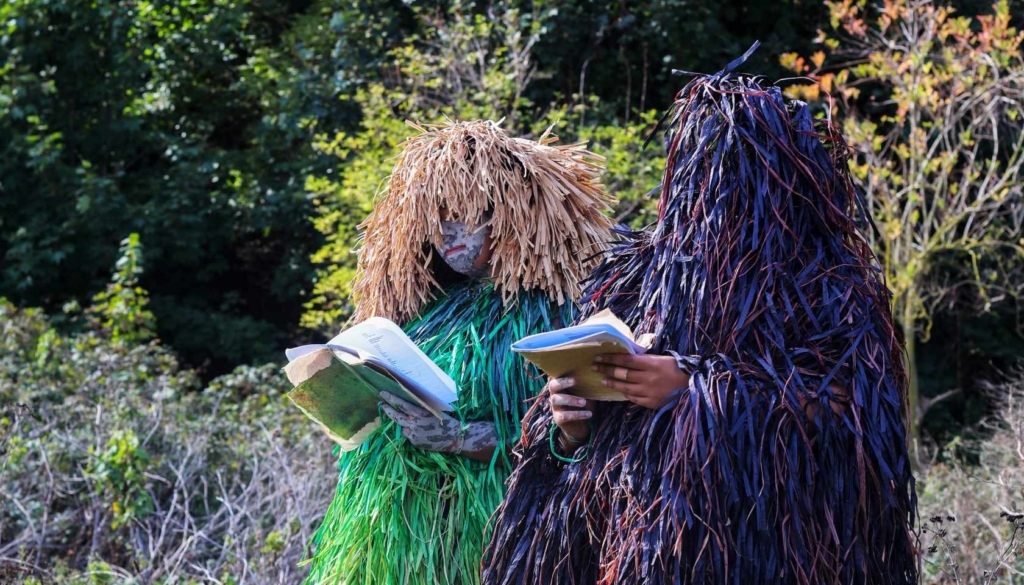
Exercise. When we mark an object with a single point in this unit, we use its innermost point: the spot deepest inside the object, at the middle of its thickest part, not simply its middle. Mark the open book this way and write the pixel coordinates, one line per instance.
(571, 351)
(338, 384)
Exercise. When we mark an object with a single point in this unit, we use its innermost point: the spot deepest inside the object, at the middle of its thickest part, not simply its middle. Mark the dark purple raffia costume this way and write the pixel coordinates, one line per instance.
(785, 460)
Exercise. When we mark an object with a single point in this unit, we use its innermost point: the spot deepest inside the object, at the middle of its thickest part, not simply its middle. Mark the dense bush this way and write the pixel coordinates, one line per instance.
(163, 119)
(117, 466)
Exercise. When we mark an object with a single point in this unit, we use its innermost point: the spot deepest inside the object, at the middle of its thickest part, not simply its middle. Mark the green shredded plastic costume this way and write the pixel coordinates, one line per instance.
(403, 514)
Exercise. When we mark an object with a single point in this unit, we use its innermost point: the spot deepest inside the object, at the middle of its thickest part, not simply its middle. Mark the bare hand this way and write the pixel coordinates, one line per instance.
(570, 413)
(646, 380)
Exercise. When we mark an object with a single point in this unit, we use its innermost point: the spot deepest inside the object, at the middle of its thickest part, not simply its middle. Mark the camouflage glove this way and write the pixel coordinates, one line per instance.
(445, 434)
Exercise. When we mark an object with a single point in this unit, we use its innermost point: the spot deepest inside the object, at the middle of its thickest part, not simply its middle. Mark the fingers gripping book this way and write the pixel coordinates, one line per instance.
(571, 352)
(338, 384)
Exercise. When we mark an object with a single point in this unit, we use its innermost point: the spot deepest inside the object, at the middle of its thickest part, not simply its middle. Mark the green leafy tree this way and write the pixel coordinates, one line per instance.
(188, 123)
(631, 171)
(466, 65)
(933, 106)
(624, 52)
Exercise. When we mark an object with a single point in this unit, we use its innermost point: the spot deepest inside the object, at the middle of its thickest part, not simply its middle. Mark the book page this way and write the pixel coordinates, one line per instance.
(389, 344)
(374, 369)
(586, 333)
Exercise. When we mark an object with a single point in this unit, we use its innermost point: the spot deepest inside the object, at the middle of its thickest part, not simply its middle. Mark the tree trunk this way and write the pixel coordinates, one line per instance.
(910, 341)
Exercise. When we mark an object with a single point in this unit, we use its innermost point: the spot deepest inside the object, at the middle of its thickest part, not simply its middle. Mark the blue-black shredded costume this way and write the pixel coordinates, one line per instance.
(785, 459)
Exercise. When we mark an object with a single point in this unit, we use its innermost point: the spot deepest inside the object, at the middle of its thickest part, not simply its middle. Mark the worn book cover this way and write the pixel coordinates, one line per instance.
(342, 393)
(339, 384)
(571, 352)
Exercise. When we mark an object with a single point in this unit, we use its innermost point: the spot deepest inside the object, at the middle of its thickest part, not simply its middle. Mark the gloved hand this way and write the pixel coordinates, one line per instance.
(445, 435)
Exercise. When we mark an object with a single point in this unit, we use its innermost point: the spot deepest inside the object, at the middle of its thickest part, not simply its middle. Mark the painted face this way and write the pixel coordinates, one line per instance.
(463, 246)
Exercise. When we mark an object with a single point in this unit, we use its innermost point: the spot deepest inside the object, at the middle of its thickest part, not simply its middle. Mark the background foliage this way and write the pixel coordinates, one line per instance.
(180, 185)
(206, 127)
(933, 108)
(119, 466)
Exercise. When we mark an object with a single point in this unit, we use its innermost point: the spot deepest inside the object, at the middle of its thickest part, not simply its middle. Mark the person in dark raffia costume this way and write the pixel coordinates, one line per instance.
(782, 459)
(479, 239)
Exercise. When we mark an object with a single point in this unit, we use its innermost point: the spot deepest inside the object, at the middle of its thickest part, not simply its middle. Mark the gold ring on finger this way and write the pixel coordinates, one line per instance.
(624, 375)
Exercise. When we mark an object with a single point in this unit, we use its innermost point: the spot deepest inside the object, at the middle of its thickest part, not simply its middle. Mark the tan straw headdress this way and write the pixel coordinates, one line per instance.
(548, 215)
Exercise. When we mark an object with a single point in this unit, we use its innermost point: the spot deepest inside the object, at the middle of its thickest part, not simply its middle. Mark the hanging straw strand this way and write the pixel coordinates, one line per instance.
(547, 204)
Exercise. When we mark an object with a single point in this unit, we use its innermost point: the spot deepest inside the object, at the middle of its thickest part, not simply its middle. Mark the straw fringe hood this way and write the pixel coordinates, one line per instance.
(548, 215)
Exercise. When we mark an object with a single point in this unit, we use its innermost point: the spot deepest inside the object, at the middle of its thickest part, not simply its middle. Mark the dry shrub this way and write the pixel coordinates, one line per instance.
(117, 467)
(971, 508)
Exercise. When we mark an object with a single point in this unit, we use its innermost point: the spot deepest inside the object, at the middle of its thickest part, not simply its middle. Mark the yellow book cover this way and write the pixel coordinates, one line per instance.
(571, 352)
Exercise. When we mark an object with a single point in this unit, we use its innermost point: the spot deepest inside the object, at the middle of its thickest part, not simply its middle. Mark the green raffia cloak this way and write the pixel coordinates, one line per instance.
(404, 515)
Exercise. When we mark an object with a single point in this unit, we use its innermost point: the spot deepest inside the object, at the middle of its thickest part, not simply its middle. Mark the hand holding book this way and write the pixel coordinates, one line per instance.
(570, 352)
(570, 413)
(444, 435)
(598, 360)
(340, 384)
(645, 380)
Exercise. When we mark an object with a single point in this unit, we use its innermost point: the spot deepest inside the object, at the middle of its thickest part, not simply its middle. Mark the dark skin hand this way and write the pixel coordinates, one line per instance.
(645, 380)
(570, 413)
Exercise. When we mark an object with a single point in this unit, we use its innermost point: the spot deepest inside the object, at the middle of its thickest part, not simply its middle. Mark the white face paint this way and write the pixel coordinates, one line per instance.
(463, 245)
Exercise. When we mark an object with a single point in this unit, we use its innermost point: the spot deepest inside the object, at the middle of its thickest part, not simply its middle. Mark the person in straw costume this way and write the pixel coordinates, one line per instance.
(782, 457)
(478, 240)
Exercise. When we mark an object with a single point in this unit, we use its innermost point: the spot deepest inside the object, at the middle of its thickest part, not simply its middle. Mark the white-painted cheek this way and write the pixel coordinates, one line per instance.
(462, 247)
